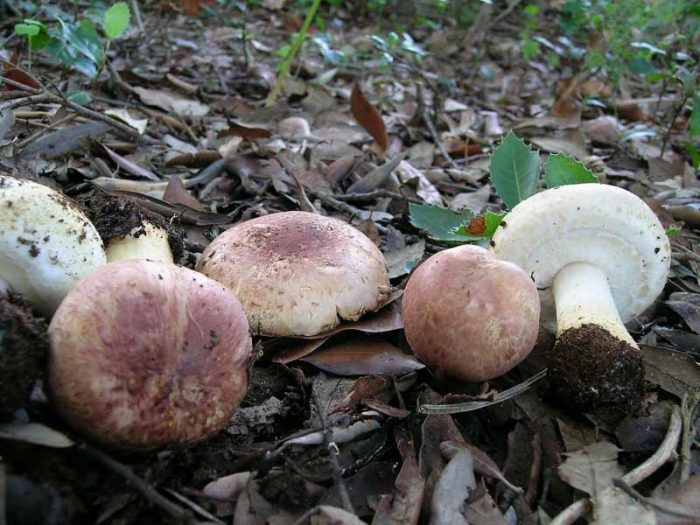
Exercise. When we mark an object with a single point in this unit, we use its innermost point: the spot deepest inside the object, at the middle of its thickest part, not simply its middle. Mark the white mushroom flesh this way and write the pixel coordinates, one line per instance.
(599, 225)
(151, 243)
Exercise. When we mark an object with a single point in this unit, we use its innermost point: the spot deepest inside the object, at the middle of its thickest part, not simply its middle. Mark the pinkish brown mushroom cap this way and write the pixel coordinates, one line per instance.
(146, 354)
(298, 273)
(470, 315)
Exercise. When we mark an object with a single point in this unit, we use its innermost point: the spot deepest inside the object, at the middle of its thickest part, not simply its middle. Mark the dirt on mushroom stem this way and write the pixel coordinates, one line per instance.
(117, 217)
(593, 371)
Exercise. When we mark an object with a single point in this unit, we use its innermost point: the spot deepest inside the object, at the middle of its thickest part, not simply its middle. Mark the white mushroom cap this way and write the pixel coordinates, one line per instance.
(604, 226)
(298, 273)
(46, 243)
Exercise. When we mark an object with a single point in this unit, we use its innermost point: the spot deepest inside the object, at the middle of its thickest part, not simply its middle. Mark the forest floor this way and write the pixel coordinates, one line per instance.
(365, 124)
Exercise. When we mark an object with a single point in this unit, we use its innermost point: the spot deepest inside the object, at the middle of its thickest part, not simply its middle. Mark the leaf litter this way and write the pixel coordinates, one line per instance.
(331, 431)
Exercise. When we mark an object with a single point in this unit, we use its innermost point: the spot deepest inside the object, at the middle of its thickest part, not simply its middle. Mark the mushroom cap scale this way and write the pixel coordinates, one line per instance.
(46, 243)
(146, 354)
(598, 224)
(298, 273)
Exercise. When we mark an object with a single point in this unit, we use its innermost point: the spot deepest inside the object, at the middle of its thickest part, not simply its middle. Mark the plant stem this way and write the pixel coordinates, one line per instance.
(286, 63)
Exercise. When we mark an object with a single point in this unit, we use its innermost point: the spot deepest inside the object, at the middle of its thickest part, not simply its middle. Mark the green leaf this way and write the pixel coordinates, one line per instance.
(28, 30)
(695, 116)
(694, 154)
(483, 226)
(562, 169)
(514, 170)
(76, 45)
(440, 223)
(82, 98)
(116, 20)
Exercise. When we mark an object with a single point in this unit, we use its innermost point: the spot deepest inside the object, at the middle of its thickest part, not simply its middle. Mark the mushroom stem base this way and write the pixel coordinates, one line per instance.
(151, 243)
(592, 370)
(582, 296)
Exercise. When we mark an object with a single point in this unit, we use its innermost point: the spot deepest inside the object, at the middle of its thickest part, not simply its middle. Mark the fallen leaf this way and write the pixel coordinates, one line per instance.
(613, 505)
(687, 306)
(369, 117)
(592, 468)
(130, 167)
(34, 433)
(225, 491)
(572, 143)
(172, 102)
(125, 116)
(403, 260)
(425, 190)
(246, 132)
(402, 506)
(176, 193)
(64, 140)
(672, 371)
(378, 176)
(452, 491)
(484, 511)
(364, 355)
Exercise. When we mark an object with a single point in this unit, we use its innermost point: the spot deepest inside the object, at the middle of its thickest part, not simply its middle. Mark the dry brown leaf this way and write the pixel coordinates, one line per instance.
(369, 117)
(247, 132)
(176, 193)
(364, 355)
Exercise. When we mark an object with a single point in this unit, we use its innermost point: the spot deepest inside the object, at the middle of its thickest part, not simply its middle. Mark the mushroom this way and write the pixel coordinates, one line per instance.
(46, 243)
(599, 257)
(298, 273)
(146, 354)
(470, 315)
(131, 231)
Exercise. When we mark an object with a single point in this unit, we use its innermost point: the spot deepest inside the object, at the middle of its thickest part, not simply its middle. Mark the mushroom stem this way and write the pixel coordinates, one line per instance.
(151, 243)
(582, 296)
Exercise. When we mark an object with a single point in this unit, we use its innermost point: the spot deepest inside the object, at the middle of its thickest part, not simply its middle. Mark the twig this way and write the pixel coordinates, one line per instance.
(458, 408)
(178, 514)
(19, 85)
(45, 129)
(667, 507)
(375, 194)
(137, 14)
(333, 453)
(665, 452)
(45, 97)
(688, 407)
(436, 139)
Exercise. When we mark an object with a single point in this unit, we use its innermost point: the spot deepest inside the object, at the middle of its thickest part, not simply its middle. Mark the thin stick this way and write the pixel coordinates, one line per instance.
(179, 514)
(666, 451)
(333, 453)
(45, 97)
(458, 408)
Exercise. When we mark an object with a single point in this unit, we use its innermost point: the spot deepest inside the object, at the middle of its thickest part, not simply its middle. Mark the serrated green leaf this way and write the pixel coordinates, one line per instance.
(482, 226)
(562, 170)
(694, 154)
(440, 223)
(116, 20)
(514, 170)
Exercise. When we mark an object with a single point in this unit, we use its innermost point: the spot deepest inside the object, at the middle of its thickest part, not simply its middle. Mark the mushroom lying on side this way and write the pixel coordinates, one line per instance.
(470, 315)
(298, 273)
(146, 354)
(599, 257)
(46, 243)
